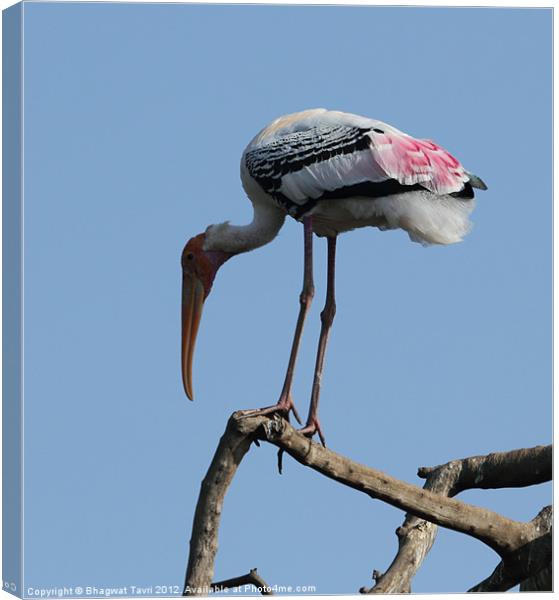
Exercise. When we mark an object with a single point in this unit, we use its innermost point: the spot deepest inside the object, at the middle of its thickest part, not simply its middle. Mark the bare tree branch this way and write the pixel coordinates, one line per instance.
(203, 544)
(505, 536)
(251, 578)
(517, 468)
(502, 534)
(540, 582)
(527, 561)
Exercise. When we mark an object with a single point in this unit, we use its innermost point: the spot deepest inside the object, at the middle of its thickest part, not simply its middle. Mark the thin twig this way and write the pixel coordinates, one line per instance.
(251, 578)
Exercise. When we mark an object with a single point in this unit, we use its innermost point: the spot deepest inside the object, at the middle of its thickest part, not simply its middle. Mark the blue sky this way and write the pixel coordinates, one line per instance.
(135, 120)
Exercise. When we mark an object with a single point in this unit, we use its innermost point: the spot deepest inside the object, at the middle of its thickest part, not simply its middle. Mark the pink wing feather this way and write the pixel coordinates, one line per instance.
(412, 161)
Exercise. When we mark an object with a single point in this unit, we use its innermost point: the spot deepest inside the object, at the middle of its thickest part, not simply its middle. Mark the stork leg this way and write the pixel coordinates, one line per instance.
(285, 403)
(327, 317)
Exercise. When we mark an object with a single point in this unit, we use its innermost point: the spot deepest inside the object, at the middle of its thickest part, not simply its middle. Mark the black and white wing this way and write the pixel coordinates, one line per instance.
(303, 158)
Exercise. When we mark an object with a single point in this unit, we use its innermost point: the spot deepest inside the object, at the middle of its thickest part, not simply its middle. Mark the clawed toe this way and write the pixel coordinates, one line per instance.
(313, 426)
(283, 407)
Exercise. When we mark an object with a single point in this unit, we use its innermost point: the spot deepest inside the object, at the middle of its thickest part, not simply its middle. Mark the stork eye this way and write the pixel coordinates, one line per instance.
(189, 256)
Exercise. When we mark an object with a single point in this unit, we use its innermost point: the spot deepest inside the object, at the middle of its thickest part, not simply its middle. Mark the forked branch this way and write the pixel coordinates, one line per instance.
(526, 562)
(504, 535)
(517, 468)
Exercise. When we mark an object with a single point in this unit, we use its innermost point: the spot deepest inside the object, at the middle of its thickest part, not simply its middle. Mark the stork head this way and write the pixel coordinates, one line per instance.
(199, 267)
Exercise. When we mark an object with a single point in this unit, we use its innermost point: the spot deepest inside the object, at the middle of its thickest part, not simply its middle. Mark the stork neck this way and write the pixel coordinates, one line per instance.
(266, 223)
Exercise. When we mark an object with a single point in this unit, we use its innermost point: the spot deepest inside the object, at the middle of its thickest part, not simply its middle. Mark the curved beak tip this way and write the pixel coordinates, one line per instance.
(188, 391)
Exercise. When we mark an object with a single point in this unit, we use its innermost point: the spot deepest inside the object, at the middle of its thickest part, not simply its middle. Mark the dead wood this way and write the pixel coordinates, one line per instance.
(526, 562)
(540, 582)
(432, 504)
(233, 446)
(517, 468)
(251, 578)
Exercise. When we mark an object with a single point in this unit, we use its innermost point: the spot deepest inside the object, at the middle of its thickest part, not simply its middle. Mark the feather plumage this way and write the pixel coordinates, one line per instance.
(351, 171)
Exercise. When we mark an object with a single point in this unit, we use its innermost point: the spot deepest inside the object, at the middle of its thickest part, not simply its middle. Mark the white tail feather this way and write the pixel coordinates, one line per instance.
(428, 219)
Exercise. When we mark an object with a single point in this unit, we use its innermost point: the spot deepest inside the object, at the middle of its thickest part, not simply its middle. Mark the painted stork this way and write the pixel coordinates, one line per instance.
(333, 172)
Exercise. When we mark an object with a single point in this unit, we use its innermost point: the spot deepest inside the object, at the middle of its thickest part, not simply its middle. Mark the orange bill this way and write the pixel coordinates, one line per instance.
(192, 304)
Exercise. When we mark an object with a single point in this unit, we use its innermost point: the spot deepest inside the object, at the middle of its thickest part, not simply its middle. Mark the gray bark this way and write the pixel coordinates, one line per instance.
(231, 450)
(517, 468)
(526, 562)
(523, 547)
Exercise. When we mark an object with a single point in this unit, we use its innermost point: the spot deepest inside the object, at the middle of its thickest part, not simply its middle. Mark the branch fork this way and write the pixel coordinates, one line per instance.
(516, 542)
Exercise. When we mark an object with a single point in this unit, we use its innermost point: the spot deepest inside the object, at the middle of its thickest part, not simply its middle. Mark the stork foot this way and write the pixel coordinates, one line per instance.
(284, 407)
(313, 426)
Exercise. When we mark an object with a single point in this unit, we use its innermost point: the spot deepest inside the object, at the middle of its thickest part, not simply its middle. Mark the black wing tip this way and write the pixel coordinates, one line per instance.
(477, 182)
